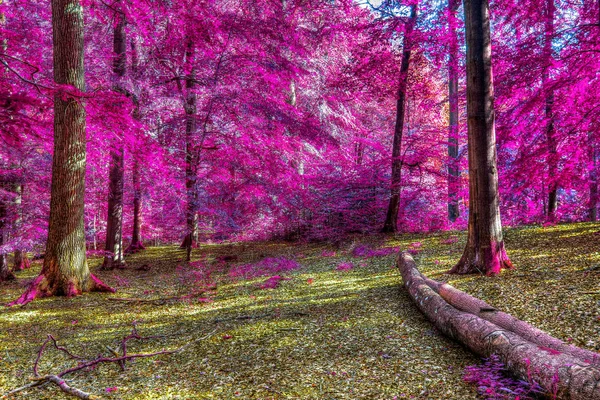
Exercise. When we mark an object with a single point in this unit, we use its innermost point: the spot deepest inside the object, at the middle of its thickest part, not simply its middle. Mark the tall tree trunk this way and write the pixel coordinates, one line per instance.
(453, 162)
(593, 179)
(21, 261)
(191, 236)
(484, 252)
(65, 270)
(391, 220)
(114, 221)
(549, 102)
(136, 236)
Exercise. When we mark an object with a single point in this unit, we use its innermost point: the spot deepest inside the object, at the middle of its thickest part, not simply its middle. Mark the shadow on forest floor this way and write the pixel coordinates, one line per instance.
(322, 334)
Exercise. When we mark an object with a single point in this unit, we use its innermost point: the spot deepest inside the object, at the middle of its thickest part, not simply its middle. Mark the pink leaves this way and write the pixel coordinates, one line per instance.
(344, 266)
(266, 266)
(111, 389)
(367, 252)
(273, 282)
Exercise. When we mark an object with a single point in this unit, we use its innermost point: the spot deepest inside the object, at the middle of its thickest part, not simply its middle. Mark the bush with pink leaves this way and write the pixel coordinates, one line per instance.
(266, 266)
(494, 383)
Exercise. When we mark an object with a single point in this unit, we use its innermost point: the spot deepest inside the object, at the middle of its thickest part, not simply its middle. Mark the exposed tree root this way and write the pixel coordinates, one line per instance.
(39, 288)
(86, 364)
(562, 370)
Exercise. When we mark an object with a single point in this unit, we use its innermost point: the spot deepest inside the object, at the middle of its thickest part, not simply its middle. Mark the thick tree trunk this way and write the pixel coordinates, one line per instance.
(532, 355)
(191, 237)
(114, 221)
(65, 270)
(484, 252)
(391, 220)
(453, 162)
(549, 103)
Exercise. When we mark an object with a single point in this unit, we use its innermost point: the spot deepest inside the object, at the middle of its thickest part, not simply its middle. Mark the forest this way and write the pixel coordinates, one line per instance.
(299, 199)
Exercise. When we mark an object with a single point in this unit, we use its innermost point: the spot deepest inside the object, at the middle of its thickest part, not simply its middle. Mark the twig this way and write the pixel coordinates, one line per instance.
(70, 390)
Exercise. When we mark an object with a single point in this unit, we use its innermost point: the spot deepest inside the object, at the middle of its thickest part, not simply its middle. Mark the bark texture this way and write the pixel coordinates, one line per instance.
(563, 371)
(593, 179)
(65, 270)
(191, 158)
(114, 221)
(391, 219)
(484, 252)
(21, 261)
(548, 111)
(453, 160)
(6, 273)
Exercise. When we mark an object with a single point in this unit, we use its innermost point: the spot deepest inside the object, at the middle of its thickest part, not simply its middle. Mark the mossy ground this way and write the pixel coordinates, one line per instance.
(324, 334)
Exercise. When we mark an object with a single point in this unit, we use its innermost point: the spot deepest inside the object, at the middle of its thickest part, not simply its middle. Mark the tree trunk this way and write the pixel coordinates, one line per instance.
(453, 162)
(65, 270)
(593, 179)
(136, 237)
(114, 221)
(191, 162)
(391, 220)
(549, 102)
(6, 273)
(21, 261)
(562, 370)
(484, 252)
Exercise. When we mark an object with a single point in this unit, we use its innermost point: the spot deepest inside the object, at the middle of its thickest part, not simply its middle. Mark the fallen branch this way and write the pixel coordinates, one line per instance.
(84, 363)
(561, 374)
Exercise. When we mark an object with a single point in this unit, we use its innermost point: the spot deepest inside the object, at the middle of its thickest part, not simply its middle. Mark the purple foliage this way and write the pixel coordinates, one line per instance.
(273, 282)
(365, 251)
(493, 382)
(266, 266)
(344, 266)
(198, 273)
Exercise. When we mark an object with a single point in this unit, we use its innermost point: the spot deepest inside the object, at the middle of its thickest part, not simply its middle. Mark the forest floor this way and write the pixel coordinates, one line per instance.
(332, 331)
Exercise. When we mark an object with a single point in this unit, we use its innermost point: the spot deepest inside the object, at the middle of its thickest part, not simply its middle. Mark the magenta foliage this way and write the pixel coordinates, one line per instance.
(344, 266)
(273, 282)
(266, 266)
(362, 250)
(294, 114)
(493, 382)
(197, 273)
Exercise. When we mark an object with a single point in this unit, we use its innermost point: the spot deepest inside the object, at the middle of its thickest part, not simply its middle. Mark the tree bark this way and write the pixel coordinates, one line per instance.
(562, 370)
(137, 243)
(391, 220)
(114, 221)
(593, 179)
(65, 270)
(548, 111)
(453, 162)
(484, 252)
(6, 274)
(191, 237)
(21, 261)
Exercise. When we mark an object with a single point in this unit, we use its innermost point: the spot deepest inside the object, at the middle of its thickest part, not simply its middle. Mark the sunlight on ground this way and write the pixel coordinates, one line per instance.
(322, 334)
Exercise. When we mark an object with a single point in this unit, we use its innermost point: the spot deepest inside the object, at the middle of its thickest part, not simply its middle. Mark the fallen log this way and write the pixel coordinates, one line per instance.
(561, 374)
